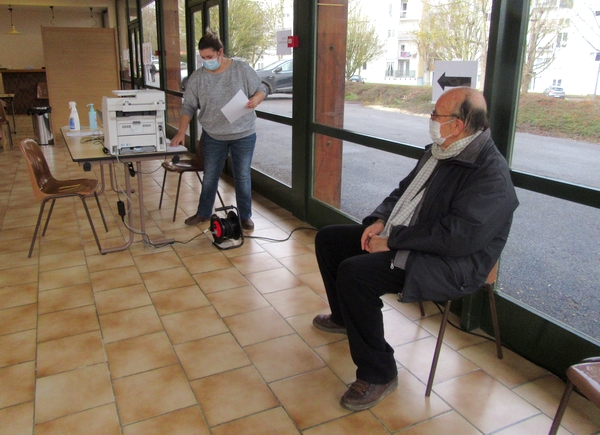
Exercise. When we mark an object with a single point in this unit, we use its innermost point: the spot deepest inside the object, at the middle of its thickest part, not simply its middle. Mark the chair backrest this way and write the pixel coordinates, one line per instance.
(39, 172)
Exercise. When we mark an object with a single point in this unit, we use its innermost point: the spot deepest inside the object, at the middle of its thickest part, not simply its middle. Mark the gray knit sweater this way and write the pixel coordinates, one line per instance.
(208, 93)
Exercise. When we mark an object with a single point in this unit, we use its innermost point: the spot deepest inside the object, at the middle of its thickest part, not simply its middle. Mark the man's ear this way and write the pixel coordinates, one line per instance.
(459, 128)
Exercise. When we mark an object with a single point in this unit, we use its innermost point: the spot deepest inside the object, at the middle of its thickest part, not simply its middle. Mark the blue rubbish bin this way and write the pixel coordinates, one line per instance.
(42, 129)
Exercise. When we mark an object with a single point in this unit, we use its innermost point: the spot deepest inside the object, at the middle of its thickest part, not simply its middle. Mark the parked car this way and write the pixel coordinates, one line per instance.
(555, 92)
(278, 76)
(357, 79)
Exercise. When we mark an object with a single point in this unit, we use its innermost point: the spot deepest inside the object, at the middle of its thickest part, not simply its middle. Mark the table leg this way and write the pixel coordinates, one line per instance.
(12, 111)
(129, 218)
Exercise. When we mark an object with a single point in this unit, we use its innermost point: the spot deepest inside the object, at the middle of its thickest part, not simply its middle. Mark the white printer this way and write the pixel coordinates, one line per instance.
(134, 121)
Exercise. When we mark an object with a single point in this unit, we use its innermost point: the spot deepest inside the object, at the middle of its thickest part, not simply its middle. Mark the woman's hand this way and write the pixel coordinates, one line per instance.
(255, 100)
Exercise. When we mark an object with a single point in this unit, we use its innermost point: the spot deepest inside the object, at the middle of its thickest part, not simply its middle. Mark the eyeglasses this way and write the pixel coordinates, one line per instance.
(435, 115)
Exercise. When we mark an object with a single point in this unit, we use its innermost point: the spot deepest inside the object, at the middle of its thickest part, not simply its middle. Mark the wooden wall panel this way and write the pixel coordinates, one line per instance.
(81, 66)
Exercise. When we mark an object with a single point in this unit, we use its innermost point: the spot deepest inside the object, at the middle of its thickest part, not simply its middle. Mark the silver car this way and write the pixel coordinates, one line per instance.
(555, 92)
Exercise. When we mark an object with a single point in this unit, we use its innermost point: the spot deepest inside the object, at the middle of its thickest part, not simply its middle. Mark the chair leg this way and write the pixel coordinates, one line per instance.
(37, 227)
(87, 212)
(162, 191)
(48, 218)
(101, 212)
(422, 309)
(438, 348)
(490, 290)
(177, 196)
(561, 408)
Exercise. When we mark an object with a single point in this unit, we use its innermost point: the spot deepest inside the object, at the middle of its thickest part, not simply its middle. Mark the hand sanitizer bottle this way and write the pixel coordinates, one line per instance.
(74, 117)
(92, 114)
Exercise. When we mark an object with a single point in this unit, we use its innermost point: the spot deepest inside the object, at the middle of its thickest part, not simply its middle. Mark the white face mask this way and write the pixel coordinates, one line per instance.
(434, 131)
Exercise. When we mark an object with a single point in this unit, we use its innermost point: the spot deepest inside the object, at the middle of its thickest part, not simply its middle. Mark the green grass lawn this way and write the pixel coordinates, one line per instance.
(576, 118)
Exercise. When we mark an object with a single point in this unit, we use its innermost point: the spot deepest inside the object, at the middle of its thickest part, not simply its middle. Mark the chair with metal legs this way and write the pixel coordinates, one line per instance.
(488, 286)
(47, 188)
(586, 377)
(181, 167)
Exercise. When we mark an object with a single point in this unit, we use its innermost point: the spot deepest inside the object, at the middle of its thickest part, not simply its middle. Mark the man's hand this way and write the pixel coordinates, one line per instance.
(377, 244)
(371, 231)
(178, 139)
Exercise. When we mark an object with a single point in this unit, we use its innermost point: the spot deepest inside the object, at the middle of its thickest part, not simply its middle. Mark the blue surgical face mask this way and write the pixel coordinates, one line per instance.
(211, 64)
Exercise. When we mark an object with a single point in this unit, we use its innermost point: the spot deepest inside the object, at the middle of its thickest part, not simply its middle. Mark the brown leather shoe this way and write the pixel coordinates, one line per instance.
(363, 395)
(247, 224)
(195, 220)
(324, 323)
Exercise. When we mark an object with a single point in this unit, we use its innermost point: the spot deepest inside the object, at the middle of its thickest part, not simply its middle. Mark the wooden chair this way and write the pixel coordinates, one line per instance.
(586, 377)
(7, 144)
(46, 188)
(488, 286)
(181, 167)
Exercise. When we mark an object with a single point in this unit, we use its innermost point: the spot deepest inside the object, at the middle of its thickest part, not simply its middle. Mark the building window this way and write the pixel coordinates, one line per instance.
(404, 8)
(561, 40)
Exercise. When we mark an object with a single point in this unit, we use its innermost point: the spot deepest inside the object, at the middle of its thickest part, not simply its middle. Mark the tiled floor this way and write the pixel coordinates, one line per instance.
(190, 339)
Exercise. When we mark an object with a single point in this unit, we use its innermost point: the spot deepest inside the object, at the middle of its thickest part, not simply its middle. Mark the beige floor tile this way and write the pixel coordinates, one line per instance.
(73, 391)
(273, 280)
(314, 281)
(130, 323)
(337, 357)
(17, 384)
(18, 295)
(187, 421)
(120, 299)
(67, 322)
(98, 262)
(153, 393)
(167, 279)
(193, 325)
(511, 370)
(67, 244)
(301, 264)
(211, 355)
(450, 423)
(581, 417)
(64, 298)
(399, 329)
(102, 420)
(253, 263)
(19, 276)
(17, 348)
(324, 390)
(62, 260)
(218, 280)
(274, 421)
(484, 402)
(295, 301)
(454, 338)
(206, 262)
(140, 354)
(283, 357)
(18, 318)
(286, 249)
(11, 258)
(69, 353)
(232, 395)
(407, 404)
(179, 299)
(115, 278)
(237, 301)
(63, 277)
(16, 420)
(159, 261)
(360, 423)
(257, 326)
(417, 356)
(537, 425)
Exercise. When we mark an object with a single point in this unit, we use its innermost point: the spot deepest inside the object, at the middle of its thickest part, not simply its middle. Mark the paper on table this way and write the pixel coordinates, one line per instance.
(236, 107)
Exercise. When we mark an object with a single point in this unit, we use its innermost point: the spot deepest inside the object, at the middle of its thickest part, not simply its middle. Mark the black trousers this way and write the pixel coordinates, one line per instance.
(355, 280)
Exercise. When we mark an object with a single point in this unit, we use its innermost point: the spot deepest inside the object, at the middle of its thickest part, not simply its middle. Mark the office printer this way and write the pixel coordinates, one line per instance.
(134, 121)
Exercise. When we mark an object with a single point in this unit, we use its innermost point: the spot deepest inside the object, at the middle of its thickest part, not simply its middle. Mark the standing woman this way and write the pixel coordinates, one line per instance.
(209, 89)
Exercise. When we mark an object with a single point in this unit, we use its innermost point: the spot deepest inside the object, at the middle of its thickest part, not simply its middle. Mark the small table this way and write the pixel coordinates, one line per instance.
(9, 98)
(92, 154)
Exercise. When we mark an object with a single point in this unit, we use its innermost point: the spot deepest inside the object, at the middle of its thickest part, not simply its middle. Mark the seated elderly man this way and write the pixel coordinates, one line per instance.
(435, 237)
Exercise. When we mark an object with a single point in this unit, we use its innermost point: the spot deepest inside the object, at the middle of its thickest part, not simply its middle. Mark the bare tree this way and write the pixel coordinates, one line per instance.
(362, 43)
(587, 22)
(544, 36)
(454, 30)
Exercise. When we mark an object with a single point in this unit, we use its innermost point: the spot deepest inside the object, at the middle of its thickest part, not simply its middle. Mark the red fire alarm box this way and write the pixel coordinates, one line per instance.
(292, 41)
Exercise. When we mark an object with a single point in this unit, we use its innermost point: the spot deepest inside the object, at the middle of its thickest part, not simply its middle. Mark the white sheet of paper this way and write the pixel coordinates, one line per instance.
(236, 107)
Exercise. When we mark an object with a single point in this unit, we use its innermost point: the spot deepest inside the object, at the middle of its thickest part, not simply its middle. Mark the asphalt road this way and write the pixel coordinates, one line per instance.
(552, 258)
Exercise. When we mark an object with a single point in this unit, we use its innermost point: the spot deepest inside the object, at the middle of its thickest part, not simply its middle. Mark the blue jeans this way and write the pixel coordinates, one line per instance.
(215, 154)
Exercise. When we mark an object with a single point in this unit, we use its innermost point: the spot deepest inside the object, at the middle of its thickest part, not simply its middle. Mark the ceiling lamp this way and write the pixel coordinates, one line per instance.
(13, 30)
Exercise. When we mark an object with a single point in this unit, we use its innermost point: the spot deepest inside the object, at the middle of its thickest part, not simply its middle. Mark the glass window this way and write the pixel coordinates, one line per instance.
(273, 151)
(150, 60)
